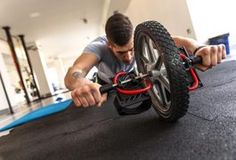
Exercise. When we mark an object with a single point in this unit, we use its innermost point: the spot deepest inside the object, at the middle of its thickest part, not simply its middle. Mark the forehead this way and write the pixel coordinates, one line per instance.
(128, 46)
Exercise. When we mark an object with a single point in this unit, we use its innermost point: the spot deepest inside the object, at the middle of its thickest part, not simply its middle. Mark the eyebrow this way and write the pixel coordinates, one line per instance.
(122, 52)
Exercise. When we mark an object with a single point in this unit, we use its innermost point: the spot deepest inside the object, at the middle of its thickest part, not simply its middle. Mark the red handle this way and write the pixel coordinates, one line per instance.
(131, 92)
(193, 74)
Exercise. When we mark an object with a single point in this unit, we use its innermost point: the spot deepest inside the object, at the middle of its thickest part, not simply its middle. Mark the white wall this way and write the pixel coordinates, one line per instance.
(57, 71)
(3, 98)
(4, 49)
(40, 69)
(4, 104)
(173, 14)
(9, 76)
(213, 17)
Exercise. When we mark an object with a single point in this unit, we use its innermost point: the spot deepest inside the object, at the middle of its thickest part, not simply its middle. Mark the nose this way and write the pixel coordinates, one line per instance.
(128, 57)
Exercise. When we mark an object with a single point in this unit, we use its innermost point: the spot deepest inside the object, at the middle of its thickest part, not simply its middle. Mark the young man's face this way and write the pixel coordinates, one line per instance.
(124, 53)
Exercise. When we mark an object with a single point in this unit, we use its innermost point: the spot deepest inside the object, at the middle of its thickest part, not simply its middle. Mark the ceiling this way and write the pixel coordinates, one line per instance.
(59, 27)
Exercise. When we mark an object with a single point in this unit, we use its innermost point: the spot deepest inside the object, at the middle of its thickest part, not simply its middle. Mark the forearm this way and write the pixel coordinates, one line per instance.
(75, 77)
(188, 43)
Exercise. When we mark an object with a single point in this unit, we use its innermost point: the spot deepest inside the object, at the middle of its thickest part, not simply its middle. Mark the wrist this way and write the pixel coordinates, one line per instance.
(80, 82)
(75, 78)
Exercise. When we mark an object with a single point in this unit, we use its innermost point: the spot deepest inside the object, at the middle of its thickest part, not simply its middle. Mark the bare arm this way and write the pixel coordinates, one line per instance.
(84, 92)
(80, 68)
(188, 43)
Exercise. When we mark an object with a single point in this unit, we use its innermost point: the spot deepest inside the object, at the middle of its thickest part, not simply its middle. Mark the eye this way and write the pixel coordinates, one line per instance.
(123, 52)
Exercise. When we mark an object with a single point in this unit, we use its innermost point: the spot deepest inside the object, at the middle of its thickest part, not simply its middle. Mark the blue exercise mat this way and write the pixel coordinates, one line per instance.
(39, 113)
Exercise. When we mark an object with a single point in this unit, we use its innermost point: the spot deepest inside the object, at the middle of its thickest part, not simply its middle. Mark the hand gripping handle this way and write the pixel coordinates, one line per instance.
(196, 60)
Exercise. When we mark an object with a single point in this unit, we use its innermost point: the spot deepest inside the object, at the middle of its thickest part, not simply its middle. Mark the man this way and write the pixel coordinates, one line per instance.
(114, 52)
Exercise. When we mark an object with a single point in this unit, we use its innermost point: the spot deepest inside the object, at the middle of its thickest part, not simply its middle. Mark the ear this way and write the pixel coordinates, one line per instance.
(109, 44)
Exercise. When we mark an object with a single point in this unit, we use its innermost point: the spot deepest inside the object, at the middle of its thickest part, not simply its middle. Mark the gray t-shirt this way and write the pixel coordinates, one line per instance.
(108, 64)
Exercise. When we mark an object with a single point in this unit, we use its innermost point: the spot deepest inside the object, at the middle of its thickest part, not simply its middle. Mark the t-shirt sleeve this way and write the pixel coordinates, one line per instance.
(95, 48)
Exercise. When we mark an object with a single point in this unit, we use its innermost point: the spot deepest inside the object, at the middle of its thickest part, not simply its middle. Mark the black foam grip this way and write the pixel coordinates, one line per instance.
(196, 60)
(105, 88)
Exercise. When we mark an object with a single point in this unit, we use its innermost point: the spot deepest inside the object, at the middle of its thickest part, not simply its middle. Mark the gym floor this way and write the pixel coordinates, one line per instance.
(23, 109)
(207, 131)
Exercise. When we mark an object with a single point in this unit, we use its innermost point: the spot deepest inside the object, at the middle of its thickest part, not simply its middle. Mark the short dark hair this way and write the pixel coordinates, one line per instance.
(119, 29)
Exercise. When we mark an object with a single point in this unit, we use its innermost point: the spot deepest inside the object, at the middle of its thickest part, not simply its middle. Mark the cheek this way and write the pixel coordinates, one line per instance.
(130, 55)
(118, 56)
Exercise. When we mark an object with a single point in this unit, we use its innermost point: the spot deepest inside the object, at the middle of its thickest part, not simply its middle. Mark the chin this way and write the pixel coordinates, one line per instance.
(127, 62)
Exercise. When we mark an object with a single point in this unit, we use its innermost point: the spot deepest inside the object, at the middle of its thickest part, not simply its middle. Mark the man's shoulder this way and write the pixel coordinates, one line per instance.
(100, 39)
(98, 47)
(100, 43)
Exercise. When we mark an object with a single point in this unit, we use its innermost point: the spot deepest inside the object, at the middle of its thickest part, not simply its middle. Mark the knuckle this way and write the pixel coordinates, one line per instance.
(86, 89)
(95, 86)
(219, 48)
(72, 94)
(77, 94)
(213, 64)
(93, 89)
(83, 92)
(222, 46)
(77, 104)
(92, 103)
(214, 49)
(204, 52)
(84, 104)
(206, 63)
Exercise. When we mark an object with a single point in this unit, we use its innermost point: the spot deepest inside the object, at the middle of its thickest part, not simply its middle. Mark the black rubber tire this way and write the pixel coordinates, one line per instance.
(176, 73)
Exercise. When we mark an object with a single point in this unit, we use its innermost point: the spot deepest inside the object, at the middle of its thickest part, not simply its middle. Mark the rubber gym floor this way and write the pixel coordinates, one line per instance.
(207, 131)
